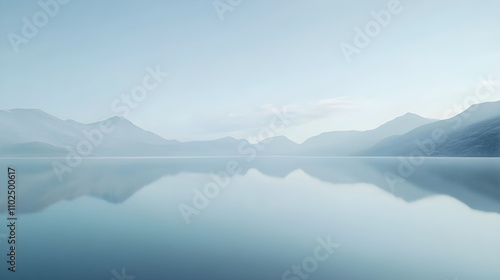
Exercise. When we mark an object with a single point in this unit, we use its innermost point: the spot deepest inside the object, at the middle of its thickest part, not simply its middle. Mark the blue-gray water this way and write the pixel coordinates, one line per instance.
(437, 219)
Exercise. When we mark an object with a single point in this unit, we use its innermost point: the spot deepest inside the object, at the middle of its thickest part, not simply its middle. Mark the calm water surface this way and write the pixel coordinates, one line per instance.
(391, 219)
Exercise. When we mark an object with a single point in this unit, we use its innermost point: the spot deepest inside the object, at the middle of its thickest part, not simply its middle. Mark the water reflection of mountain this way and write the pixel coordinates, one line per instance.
(474, 181)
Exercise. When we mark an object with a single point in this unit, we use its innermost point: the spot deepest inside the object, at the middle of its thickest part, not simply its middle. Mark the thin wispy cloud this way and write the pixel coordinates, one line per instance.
(247, 123)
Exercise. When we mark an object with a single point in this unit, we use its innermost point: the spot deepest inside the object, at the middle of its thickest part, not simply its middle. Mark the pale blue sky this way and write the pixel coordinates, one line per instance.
(224, 75)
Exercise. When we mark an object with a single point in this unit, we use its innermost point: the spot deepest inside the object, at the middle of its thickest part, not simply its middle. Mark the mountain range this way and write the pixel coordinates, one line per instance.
(472, 133)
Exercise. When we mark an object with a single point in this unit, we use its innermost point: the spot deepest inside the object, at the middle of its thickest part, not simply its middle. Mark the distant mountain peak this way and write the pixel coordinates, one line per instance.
(407, 120)
(117, 118)
(408, 116)
(114, 120)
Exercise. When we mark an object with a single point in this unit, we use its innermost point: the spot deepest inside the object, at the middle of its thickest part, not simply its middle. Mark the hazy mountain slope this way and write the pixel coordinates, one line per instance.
(123, 129)
(345, 143)
(126, 139)
(278, 145)
(474, 132)
(28, 133)
(476, 140)
(30, 125)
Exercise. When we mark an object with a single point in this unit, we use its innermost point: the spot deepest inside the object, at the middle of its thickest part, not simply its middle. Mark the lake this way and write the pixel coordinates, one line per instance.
(255, 218)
